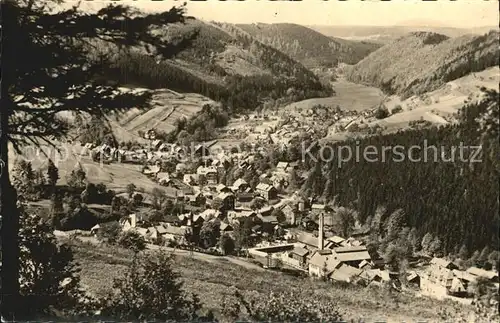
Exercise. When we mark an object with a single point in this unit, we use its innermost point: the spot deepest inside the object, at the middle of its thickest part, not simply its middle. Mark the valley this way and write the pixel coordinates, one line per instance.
(203, 157)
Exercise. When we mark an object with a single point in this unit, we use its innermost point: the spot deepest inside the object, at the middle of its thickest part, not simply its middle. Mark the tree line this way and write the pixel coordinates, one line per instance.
(452, 199)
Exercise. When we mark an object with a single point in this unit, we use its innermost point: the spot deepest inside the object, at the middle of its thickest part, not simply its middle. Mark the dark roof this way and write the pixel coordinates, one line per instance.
(300, 251)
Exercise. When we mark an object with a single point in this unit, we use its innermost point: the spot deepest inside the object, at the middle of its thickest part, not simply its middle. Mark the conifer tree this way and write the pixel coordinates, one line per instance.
(49, 66)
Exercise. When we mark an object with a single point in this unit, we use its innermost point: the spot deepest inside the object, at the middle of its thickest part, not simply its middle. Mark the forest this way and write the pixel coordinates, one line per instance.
(444, 196)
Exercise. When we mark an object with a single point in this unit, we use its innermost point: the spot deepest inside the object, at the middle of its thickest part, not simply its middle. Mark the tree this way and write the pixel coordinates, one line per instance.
(473, 260)
(48, 274)
(280, 216)
(77, 178)
(344, 221)
(494, 258)
(257, 203)
(152, 291)
(131, 188)
(435, 248)
(63, 41)
(23, 179)
(280, 307)
(132, 240)
(395, 223)
(382, 113)
(397, 109)
(483, 256)
(463, 253)
(209, 233)
(243, 232)
(109, 232)
(159, 198)
(226, 244)
(414, 240)
(426, 242)
(52, 174)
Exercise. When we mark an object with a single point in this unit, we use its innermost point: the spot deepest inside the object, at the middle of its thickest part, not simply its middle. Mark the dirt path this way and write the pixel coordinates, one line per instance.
(178, 252)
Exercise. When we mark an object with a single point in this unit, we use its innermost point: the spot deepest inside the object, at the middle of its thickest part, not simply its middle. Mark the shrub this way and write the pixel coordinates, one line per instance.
(109, 231)
(382, 113)
(132, 240)
(151, 290)
(396, 109)
(282, 307)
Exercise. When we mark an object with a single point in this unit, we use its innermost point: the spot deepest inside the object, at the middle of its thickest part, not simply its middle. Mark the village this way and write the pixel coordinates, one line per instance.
(281, 229)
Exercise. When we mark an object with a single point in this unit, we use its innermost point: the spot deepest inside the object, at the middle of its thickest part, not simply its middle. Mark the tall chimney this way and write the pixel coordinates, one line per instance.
(320, 232)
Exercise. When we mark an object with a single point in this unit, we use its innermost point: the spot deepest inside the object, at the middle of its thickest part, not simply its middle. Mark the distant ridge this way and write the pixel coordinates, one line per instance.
(385, 34)
(423, 61)
(308, 46)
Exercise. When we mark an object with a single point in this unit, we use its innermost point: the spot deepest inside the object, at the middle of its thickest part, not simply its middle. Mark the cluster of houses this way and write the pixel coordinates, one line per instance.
(348, 260)
(331, 258)
(443, 278)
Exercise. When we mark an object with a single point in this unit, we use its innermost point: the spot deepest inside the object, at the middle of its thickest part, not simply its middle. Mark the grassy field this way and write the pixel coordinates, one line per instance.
(439, 105)
(212, 281)
(115, 176)
(167, 107)
(349, 96)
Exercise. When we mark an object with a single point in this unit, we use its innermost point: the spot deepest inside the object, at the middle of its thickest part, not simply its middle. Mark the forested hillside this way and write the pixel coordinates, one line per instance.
(441, 195)
(308, 46)
(423, 61)
(231, 67)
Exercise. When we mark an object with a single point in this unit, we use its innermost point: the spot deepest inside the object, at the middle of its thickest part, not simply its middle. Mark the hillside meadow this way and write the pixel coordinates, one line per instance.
(213, 281)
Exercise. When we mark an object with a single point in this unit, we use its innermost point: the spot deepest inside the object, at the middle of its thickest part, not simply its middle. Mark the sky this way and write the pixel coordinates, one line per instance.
(459, 13)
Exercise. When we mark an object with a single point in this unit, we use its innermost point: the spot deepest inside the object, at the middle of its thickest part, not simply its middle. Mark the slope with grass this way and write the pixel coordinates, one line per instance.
(308, 46)
(99, 266)
(422, 62)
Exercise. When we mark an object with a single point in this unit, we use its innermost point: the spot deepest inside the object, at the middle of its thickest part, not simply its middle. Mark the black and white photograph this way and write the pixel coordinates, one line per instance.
(249, 161)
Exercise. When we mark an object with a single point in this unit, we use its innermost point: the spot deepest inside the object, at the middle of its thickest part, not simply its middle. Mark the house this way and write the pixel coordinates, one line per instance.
(465, 280)
(244, 197)
(352, 256)
(180, 167)
(289, 213)
(365, 265)
(318, 208)
(142, 231)
(345, 273)
(443, 263)
(240, 185)
(267, 191)
(225, 227)
(298, 256)
(151, 170)
(210, 173)
(492, 276)
(225, 200)
(196, 199)
(190, 179)
(174, 233)
(375, 276)
(413, 278)
(95, 229)
(171, 219)
(221, 188)
(201, 150)
(322, 263)
(336, 241)
(438, 279)
(282, 166)
(266, 211)
(151, 234)
(155, 144)
(129, 222)
(307, 239)
(161, 229)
